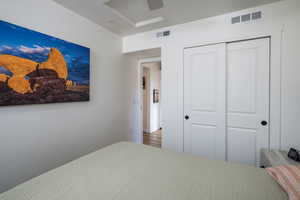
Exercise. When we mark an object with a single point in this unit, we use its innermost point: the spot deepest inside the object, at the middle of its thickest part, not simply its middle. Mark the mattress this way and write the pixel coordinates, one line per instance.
(127, 171)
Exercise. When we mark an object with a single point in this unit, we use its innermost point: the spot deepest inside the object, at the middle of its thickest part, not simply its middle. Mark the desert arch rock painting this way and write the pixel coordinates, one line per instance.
(50, 70)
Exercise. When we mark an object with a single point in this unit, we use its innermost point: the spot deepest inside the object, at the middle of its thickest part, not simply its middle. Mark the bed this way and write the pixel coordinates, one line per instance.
(127, 171)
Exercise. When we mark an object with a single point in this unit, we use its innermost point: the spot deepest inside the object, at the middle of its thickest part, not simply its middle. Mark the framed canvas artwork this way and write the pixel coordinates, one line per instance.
(36, 68)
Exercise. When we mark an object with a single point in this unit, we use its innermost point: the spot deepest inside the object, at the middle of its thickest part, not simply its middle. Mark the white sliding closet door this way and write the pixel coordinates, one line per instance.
(247, 100)
(204, 101)
(226, 100)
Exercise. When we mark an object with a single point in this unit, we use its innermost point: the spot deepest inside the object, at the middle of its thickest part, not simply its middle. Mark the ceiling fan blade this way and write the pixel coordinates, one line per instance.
(155, 4)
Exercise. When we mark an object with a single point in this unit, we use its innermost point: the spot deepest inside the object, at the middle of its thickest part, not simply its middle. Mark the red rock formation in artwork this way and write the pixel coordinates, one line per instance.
(21, 67)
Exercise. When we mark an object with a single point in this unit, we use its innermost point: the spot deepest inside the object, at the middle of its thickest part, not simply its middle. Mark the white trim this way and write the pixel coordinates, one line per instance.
(140, 111)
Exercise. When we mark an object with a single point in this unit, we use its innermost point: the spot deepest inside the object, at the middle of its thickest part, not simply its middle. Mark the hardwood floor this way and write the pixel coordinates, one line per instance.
(153, 139)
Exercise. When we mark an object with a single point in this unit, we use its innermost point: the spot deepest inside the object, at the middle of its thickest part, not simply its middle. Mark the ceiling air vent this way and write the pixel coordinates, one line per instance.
(256, 15)
(246, 18)
(163, 34)
(236, 20)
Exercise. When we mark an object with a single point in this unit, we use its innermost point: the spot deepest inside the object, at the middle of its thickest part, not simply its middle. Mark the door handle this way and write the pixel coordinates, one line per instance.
(264, 123)
(187, 117)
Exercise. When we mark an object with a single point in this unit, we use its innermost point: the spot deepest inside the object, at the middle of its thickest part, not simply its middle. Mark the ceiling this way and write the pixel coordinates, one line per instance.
(123, 16)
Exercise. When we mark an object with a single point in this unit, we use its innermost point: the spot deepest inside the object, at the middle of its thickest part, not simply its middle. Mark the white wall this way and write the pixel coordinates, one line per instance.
(36, 138)
(132, 98)
(146, 101)
(155, 82)
(277, 17)
(291, 80)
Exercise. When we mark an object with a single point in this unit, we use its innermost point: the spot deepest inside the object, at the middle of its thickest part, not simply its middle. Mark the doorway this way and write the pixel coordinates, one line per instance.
(151, 106)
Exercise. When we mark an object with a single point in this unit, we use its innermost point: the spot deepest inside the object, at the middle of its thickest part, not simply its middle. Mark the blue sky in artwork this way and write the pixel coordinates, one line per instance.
(33, 45)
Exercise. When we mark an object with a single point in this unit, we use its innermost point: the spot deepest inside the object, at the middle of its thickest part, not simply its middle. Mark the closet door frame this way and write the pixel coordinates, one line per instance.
(275, 85)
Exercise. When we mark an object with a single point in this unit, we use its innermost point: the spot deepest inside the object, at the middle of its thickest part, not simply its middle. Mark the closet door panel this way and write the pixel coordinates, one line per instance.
(247, 100)
(242, 145)
(203, 137)
(204, 101)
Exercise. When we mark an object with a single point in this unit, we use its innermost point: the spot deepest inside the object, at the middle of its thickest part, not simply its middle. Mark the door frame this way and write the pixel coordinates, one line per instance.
(140, 94)
(275, 84)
